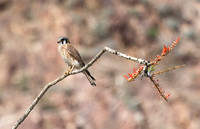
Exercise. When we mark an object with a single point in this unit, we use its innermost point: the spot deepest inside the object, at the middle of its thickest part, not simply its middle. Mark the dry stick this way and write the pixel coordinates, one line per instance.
(167, 70)
(44, 90)
(157, 87)
(140, 61)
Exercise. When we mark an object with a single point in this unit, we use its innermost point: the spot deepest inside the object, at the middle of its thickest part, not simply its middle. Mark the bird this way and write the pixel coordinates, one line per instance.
(72, 58)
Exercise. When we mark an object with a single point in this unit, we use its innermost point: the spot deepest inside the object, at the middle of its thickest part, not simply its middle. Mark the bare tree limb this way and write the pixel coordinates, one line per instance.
(138, 60)
(30, 108)
(157, 86)
(45, 89)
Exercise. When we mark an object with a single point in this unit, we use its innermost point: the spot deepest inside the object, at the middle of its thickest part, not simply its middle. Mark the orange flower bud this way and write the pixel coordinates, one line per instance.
(164, 49)
(134, 71)
(130, 75)
(126, 77)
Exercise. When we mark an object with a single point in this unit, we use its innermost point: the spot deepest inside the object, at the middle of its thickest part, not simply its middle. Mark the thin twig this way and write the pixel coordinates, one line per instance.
(166, 70)
(45, 89)
(158, 88)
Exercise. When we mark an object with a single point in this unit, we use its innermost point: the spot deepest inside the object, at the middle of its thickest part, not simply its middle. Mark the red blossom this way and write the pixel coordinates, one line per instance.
(141, 68)
(134, 71)
(130, 75)
(164, 49)
(137, 72)
(167, 95)
(177, 40)
(158, 59)
(126, 77)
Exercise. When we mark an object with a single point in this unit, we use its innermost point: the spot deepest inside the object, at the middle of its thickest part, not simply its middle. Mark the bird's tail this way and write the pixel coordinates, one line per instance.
(90, 78)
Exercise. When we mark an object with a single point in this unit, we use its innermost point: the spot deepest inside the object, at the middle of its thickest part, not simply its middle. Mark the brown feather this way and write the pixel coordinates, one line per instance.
(75, 54)
(70, 55)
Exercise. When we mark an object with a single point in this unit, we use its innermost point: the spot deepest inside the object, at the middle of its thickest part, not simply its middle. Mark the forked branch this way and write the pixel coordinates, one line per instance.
(45, 89)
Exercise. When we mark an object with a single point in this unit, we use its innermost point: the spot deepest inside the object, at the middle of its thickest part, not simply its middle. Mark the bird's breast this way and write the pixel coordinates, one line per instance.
(69, 60)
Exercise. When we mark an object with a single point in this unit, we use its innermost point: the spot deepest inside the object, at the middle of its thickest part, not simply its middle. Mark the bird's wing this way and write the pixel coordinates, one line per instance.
(74, 53)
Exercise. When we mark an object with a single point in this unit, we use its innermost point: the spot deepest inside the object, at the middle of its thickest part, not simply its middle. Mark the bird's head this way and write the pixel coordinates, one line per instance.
(63, 40)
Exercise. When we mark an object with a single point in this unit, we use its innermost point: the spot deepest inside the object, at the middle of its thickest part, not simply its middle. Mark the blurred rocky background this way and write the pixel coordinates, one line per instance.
(29, 59)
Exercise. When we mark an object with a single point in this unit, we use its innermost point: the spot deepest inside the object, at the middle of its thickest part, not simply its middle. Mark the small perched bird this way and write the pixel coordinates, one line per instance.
(72, 58)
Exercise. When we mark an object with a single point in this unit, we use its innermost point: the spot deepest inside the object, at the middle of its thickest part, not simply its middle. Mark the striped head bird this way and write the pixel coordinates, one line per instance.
(72, 58)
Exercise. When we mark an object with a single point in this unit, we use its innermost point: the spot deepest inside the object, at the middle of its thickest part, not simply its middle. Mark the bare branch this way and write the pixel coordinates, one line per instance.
(45, 89)
(140, 61)
(157, 86)
(167, 70)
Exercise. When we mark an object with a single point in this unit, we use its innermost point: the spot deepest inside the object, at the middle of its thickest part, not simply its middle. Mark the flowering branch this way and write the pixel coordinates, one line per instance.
(144, 70)
(164, 53)
(149, 67)
(135, 74)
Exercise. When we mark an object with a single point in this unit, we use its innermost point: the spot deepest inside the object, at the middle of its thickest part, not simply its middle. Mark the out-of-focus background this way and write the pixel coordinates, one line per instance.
(29, 59)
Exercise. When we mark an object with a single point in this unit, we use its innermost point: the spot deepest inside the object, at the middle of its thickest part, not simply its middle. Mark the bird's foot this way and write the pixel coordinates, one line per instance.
(69, 70)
